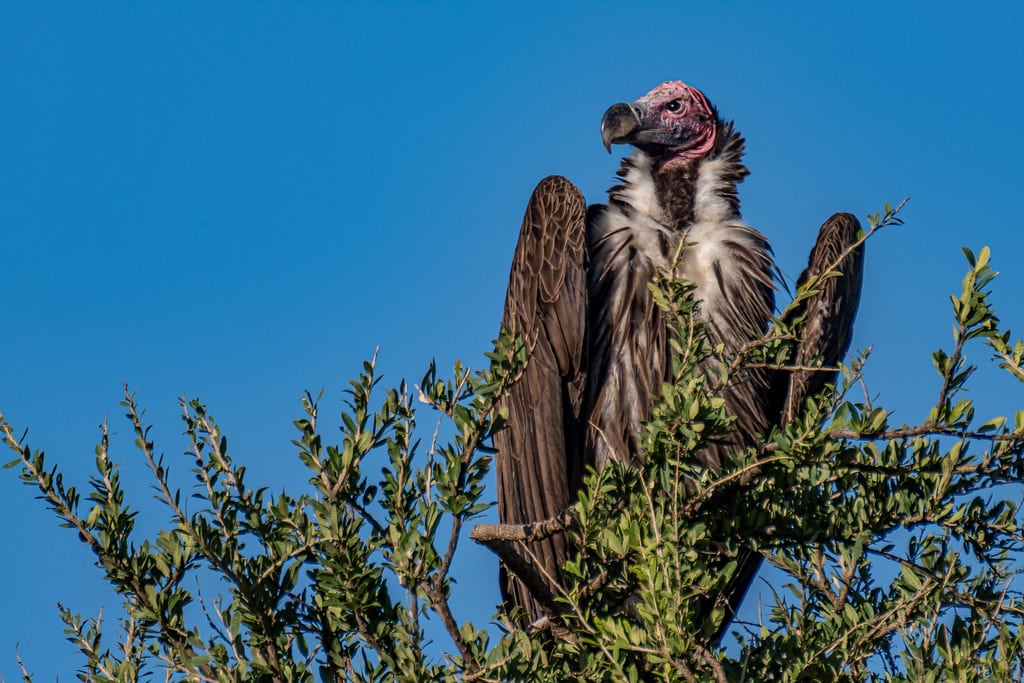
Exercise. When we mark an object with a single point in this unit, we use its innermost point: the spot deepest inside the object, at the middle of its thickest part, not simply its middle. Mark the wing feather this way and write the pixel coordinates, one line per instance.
(828, 325)
(538, 460)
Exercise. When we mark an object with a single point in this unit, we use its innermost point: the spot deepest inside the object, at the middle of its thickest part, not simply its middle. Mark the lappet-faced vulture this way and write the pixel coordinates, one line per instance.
(598, 345)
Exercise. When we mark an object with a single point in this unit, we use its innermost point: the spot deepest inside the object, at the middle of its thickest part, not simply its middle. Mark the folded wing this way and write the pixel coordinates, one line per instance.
(828, 326)
(538, 464)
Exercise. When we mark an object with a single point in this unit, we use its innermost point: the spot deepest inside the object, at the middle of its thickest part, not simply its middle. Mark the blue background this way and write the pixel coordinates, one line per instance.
(240, 201)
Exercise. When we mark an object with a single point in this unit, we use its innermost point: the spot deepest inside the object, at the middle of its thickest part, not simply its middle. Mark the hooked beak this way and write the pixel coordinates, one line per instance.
(619, 124)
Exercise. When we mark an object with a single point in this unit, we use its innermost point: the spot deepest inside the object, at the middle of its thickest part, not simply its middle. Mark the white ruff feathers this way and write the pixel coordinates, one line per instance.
(716, 224)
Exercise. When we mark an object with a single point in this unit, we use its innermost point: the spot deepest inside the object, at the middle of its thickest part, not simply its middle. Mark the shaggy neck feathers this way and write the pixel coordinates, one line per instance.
(699, 190)
(729, 262)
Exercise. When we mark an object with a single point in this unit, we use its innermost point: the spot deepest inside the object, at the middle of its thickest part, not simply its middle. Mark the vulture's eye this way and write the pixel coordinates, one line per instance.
(674, 106)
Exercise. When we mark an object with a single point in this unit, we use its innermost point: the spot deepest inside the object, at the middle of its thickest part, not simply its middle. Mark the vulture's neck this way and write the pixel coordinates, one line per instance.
(693, 191)
(728, 262)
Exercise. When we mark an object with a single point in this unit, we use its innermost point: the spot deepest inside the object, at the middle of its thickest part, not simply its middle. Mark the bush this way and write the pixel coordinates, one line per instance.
(899, 542)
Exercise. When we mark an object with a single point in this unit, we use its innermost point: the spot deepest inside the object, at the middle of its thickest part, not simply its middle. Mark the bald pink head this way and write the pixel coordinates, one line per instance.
(674, 122)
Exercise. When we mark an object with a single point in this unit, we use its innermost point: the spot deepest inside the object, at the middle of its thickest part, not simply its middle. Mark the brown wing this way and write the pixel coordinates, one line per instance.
(828, 326)
(538, 460)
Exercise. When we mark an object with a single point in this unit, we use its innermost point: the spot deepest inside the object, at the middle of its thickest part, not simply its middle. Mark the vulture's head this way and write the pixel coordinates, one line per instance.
(673, 123)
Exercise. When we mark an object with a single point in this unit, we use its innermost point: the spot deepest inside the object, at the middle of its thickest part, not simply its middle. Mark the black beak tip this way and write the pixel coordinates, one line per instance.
(619, 124)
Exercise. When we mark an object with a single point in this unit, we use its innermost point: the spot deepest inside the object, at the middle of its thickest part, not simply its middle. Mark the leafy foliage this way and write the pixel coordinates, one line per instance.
(899, 542)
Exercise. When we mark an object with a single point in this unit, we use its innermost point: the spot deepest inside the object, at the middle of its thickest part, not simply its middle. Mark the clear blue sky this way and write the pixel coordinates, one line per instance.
(239, 201)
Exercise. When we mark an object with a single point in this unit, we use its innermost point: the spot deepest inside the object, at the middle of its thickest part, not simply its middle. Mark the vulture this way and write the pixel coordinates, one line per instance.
(598, 346)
